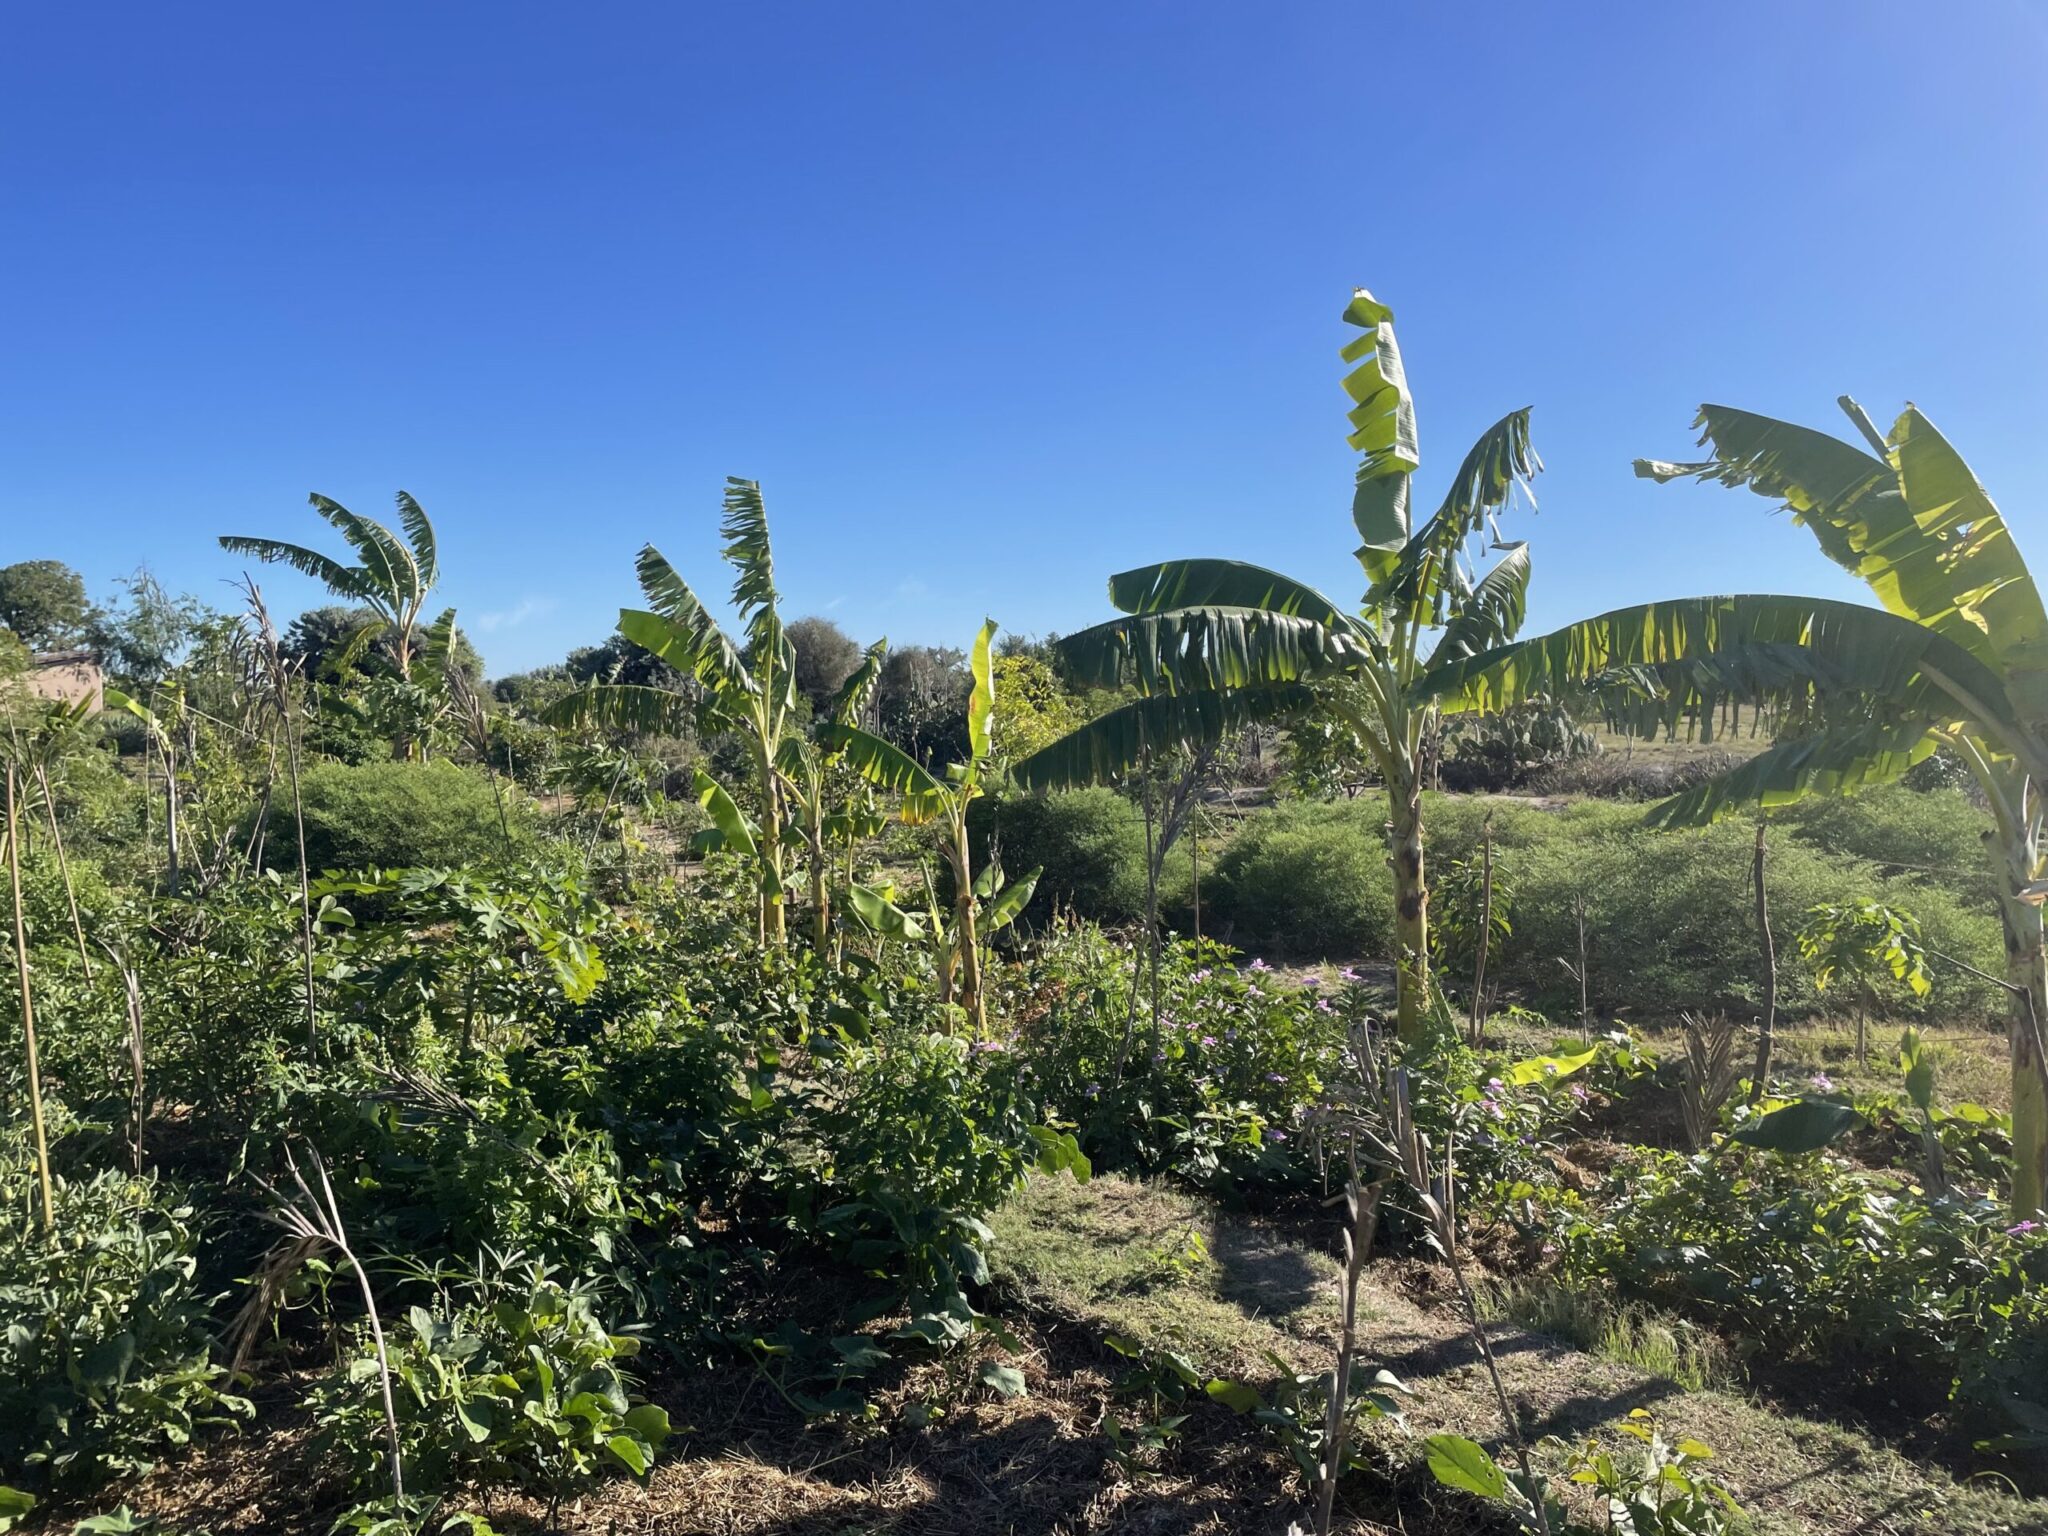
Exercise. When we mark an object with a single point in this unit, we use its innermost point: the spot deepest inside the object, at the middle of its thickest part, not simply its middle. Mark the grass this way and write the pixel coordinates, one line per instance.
(1669, 1348)
(1970, 1065)
(1085, 1254)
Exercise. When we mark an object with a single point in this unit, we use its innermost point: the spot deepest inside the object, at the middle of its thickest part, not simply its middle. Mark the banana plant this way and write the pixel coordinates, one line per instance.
(752, 692)
(393, 579)
(806, 766)
(928, 799)
(1210, 645)
(1956, 657)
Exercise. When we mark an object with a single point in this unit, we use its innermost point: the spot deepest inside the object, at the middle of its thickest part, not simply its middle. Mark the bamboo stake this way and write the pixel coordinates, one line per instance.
(28, 1014)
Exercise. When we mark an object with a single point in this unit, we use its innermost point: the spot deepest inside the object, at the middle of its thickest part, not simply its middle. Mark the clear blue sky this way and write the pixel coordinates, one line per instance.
(994, 300)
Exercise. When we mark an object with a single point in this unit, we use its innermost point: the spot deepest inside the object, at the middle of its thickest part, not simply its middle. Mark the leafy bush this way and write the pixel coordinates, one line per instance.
(508, 1376)
(1670, 916)
(1311, 879)
(1212, 1098)
(105, 1354)
(1936, 836)
(388, 815)
(1090, 845)
(1813, 1259)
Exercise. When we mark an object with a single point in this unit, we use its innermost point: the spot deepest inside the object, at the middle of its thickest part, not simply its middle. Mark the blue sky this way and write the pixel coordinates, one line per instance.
(994, 300)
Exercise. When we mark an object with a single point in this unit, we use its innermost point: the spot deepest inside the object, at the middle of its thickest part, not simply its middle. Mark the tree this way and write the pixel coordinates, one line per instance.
(1863, 943)
(1210, 645)
(393, 580)
(928, 798)
(752, 693)
(44, 603)
(146, 638)
(1957, 657)
(922, 699)
(826, 656)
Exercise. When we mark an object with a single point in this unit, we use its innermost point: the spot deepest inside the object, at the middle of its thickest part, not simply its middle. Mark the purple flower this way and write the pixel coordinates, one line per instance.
(1276, 1135)
(1260, 965)
(1348, 974)
(983, 1047)
(1323, 1005)
(1208, 1039)
(1311, 981)
(1092, 1089)
(1276, 1077)
(2021, 1229)
(1821, 1083)
(1579, 1094)
(1494, 1085)
(1202, 975)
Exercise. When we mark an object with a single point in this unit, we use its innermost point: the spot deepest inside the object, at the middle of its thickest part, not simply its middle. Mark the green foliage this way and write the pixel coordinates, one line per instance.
(1309, 879)
(507, 1376)
(1864, 942)
(388, 815)
(43, 603)
(1089, 845)
(1814, 1260)
(1667, 1491)
(105, 1353)
(1211, 1096)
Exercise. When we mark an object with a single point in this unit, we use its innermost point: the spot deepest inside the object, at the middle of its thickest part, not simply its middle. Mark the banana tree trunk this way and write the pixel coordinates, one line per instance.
(821, 893)
(964, 926)
(774, 928)
(2026, 971)
(1411, 904)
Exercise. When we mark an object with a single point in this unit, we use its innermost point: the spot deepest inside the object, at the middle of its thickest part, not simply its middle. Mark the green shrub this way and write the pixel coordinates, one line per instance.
(388, 815)
(1936, 836)
(1091, 846)
(1212, 1098)
(1814, 1259)
(1670, 916)
(1306, 879)
(105, 1354)
(507, 1376)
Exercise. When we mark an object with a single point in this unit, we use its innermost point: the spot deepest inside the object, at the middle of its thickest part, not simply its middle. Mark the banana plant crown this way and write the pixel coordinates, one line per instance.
(1957, 652)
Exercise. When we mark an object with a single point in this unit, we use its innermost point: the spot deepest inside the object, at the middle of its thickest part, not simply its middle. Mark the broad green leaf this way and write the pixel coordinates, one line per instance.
(1197, 650)
(1692, 655)
(1383, 431)
(879, 914)
(981, 703)
(1537, 1068)
(1465, 1464)
(630, 1453)
(1235, 1395)
(733, 826)
(419, 533)
(14, 1506)
(858, 691)
(1806, 1125)
(623, 707)
(1492, 614)
(690, 641)
(1220, 584)
(1003, 1380)
(1013, 899)
(1114, 743)
(341, 580)
(887, 766)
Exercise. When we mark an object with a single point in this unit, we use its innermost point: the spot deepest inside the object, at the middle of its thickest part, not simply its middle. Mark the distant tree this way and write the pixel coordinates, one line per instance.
(619, 660)
(826, 656)
(145, 638)
(922, 700)
(44, 603)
